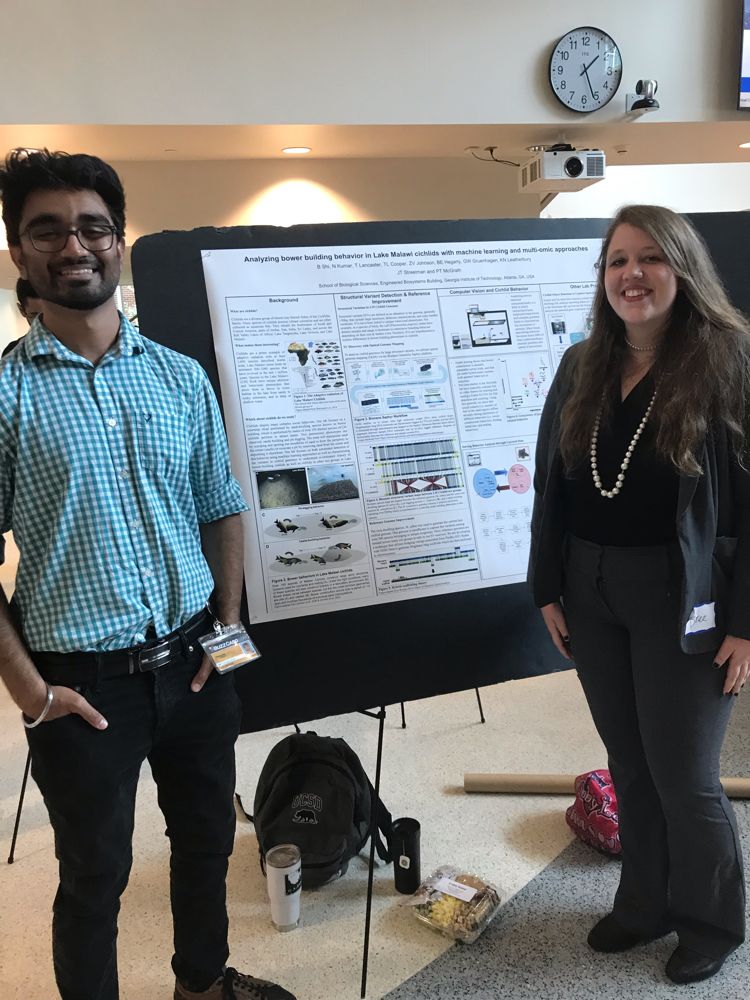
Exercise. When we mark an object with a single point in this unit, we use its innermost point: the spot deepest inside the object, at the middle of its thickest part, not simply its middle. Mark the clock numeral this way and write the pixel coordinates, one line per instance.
(605, 85)
(574, 43)
(609, 71)
(563, 85)
(584, 100)
(586, 41)
(564, 54)
(560, 71)
(596, 95)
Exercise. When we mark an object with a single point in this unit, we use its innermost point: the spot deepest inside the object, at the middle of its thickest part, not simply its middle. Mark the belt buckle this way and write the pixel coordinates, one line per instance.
(154, 657)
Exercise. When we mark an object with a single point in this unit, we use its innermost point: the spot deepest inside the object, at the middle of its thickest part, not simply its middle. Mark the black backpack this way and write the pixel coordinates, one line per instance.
(313, 792)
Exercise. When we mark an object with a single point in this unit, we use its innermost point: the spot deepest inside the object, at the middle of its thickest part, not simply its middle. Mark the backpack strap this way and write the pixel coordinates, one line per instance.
(251, 818)
(381, 822)
(244, 811)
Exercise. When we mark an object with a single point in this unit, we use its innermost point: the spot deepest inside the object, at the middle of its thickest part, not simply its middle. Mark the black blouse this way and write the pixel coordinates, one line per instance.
(644, 511)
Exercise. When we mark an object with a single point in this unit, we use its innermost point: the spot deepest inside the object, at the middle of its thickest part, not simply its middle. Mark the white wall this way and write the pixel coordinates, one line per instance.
(185, 195)
(271, 192)
(338, 61)
(12, 324)
(694, 187)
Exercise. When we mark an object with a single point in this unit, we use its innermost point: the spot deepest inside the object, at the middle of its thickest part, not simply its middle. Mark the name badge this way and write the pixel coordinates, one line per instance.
(229, 646)
(702, 618)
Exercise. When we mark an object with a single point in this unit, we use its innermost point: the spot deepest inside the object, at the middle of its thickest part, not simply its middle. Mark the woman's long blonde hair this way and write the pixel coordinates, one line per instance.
(703, 361)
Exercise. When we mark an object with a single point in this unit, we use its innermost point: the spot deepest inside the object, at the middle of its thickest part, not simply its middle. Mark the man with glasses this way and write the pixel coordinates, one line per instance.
(114, 476)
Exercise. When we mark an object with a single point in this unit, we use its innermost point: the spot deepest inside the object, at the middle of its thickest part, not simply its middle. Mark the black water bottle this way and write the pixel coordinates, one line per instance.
(405, 846)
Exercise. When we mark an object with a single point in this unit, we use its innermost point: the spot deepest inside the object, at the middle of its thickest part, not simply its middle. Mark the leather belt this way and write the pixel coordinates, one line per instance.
(145, 657)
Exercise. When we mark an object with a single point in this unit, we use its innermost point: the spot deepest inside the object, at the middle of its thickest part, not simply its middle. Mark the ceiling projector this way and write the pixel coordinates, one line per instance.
(561, 170)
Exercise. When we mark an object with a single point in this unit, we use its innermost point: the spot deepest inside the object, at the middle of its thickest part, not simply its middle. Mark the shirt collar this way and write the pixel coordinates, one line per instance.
(40, 341)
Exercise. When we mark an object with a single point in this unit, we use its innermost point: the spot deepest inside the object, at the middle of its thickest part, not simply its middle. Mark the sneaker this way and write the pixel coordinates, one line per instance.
(234, 985)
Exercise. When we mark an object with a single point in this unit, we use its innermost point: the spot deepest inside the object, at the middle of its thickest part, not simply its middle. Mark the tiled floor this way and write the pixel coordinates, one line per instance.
(539, 724)
(536, 725)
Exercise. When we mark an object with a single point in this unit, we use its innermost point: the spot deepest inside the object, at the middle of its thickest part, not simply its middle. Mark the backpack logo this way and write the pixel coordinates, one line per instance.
(304, 816)
(306, 806)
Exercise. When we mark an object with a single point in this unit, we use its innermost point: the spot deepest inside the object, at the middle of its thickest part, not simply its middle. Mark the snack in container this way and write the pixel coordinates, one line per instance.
(456, 903)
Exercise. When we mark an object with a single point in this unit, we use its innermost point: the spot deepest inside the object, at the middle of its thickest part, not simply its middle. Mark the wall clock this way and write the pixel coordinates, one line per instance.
(585, 69)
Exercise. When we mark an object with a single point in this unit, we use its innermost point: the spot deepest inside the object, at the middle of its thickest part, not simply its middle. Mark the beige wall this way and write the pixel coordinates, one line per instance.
(185, 195)
(684, 187)
(343, 61)
(247, 61)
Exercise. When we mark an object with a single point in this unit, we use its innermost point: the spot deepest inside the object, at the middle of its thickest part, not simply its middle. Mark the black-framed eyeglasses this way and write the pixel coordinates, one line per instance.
(49, 238)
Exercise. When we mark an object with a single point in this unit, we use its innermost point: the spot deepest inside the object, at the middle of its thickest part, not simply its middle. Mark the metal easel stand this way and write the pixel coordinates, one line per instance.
(11, 856)
(479, 703)
(380, 716)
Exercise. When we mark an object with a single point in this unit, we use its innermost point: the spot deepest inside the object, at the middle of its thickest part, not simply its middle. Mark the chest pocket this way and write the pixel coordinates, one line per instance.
(163, 439)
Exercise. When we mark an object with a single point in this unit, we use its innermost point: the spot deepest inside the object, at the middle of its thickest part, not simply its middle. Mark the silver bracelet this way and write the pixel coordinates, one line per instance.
(44, 713)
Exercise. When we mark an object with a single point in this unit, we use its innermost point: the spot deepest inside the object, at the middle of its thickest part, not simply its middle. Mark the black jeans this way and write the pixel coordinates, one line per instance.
(88, 780)
(662, 717)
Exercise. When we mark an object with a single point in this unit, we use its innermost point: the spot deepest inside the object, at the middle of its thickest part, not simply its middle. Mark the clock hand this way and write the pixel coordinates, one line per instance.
(587, 68)
(588, 81)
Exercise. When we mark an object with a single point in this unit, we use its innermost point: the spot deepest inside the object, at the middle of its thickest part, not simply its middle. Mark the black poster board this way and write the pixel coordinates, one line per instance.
(378, 655)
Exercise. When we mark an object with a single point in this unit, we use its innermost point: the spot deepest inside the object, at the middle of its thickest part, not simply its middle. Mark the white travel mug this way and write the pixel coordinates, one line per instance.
(284, 880)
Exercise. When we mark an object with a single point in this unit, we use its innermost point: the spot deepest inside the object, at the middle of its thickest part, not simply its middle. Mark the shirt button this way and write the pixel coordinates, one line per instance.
(135, 525)
(112, 422)
(148, 573)
(124, 473)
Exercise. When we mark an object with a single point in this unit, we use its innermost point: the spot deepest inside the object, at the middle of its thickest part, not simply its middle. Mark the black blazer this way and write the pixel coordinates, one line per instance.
(713, 525)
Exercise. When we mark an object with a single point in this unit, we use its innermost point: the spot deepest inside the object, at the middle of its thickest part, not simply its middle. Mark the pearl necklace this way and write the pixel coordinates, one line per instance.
(634, 347)
(610, 494)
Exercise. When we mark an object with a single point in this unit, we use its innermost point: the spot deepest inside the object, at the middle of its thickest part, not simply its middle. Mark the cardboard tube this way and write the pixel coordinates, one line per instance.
(520, 784)
(737, 788)
(563, 784)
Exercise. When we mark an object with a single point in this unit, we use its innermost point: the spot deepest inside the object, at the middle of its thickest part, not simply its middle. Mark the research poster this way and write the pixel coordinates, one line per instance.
(382, 406)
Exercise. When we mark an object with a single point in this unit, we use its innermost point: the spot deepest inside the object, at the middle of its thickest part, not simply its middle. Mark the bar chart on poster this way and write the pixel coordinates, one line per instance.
(382, 404)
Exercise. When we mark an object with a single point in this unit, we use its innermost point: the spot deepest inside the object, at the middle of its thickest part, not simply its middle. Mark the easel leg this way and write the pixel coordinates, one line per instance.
(479, 702)
(403, 717)
(11, 856)
(373, 832)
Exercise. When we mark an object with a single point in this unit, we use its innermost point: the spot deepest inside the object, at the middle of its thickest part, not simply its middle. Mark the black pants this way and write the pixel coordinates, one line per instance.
(88, 780)
(662, 717)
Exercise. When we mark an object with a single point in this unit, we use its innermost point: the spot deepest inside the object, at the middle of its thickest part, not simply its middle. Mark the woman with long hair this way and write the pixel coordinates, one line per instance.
(640, 564)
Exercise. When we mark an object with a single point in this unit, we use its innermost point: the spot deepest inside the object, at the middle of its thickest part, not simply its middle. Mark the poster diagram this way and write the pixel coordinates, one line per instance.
(525, 380)
(315, 365)
(566, 308)
(418, 467)
(430, 565)
(478, 320)
(501, 497)
(414, 385)
(489, 327)
(382, 405)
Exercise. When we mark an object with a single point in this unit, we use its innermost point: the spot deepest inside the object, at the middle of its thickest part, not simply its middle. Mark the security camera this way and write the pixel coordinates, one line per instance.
(643, 99)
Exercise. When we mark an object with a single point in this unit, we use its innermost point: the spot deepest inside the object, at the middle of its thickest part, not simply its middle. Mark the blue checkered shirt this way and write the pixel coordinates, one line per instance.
(106, 472)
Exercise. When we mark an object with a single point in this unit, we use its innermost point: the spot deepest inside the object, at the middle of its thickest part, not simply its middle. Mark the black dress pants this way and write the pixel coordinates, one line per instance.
(88, 780)
(662, 717)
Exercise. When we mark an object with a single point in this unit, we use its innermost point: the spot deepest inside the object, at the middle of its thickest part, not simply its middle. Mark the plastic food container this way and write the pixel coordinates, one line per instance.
(456, 903)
